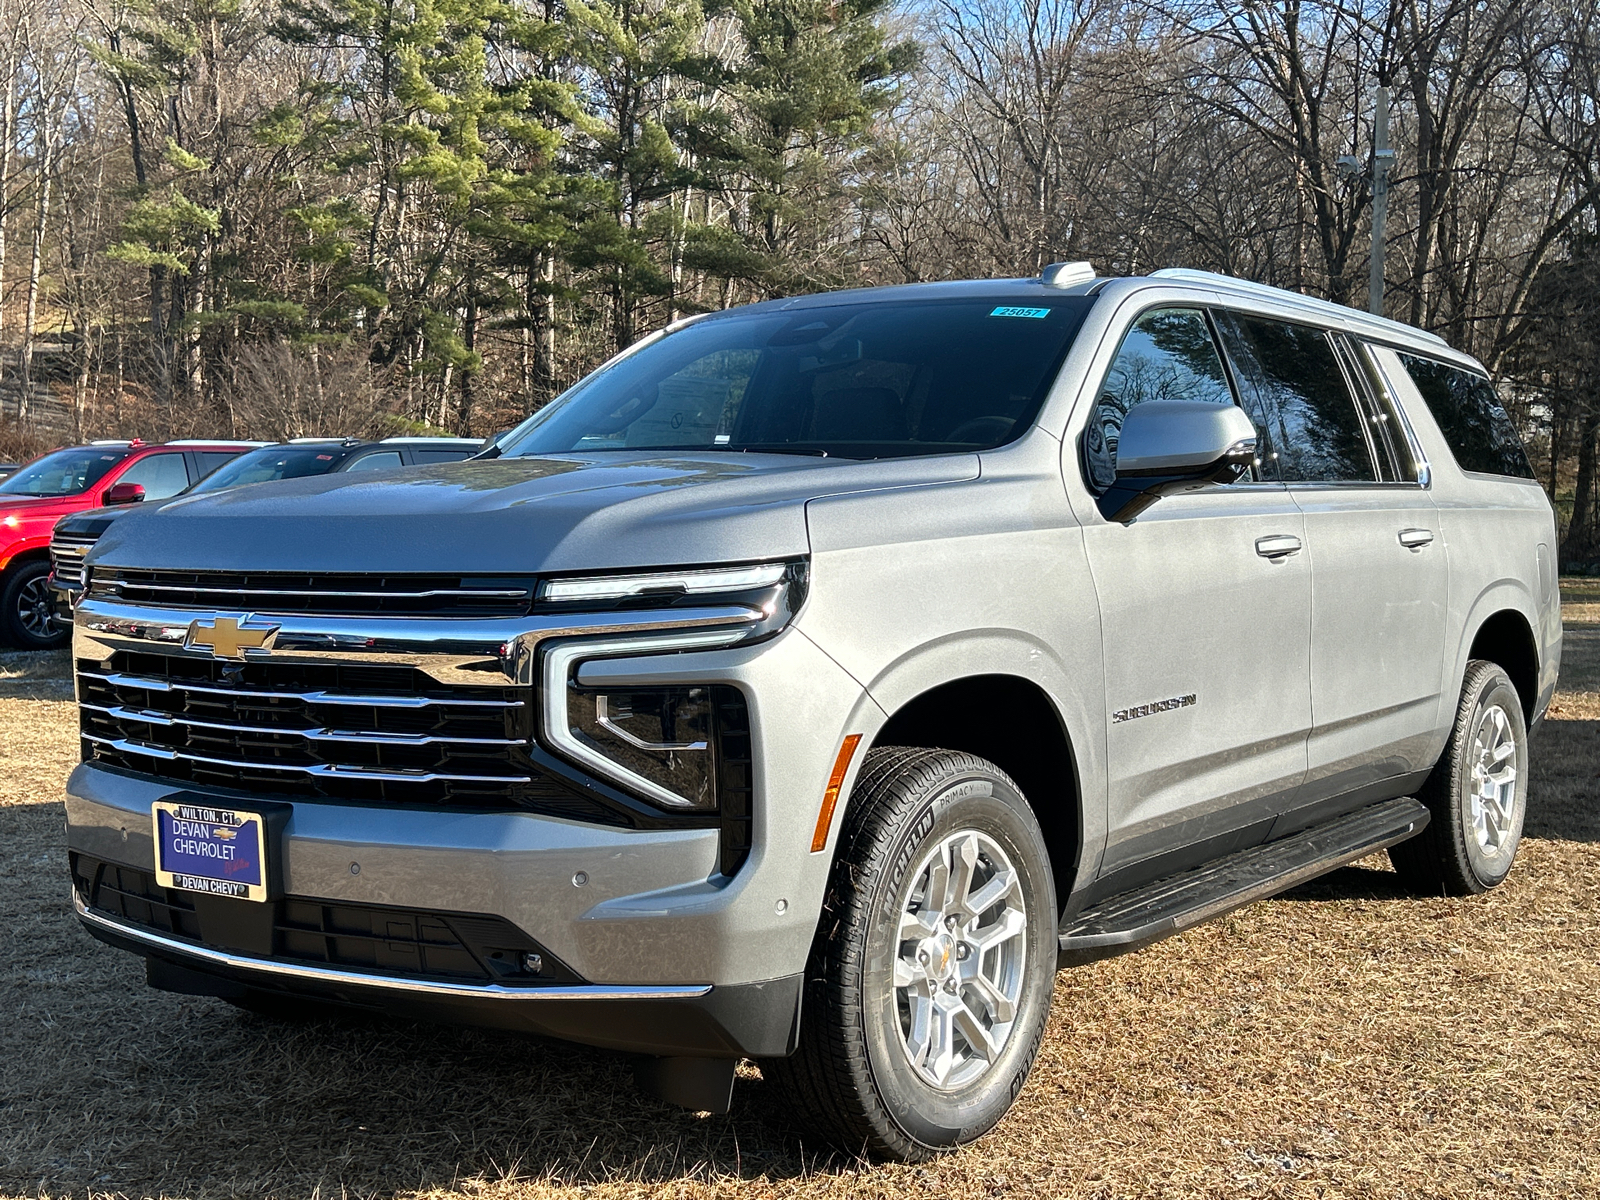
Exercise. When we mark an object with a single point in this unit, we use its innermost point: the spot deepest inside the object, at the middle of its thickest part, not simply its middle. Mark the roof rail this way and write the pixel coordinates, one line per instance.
(112, 442)
(314, 441)
(1283, 296)
(215, 442)
(1066, 274)
(443, 437)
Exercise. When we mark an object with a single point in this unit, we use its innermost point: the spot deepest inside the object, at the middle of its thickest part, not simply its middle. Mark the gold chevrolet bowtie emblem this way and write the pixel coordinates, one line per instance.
(227, 637)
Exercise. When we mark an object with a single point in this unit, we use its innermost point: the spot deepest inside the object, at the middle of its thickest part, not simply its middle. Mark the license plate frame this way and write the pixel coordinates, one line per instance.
(210, 847)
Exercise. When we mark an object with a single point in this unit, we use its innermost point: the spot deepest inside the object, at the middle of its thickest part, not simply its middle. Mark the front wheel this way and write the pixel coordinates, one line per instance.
(930, 979)
(27, 610)
(1478, 793)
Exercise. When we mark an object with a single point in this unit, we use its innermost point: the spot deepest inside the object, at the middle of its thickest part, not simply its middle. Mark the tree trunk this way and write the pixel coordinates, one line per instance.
(1578, 545)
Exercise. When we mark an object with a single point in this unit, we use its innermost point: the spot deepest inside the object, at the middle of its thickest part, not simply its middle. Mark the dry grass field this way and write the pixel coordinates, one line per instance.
(1343, 1040)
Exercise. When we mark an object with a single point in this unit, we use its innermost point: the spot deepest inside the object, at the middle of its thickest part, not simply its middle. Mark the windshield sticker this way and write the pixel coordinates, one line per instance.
(1008, 311)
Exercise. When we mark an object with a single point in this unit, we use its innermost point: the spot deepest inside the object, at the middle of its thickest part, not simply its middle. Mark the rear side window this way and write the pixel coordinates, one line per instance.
(1480, 431)
(1315, 430)
(1167, 354)
(437, 456)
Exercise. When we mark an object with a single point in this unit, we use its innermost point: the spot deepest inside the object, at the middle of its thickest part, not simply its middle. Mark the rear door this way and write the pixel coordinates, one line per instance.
(1205, 602)
(1379, 578)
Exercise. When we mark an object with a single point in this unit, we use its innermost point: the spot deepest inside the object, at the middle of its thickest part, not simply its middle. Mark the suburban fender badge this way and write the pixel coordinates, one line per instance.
(1158, 706)
(229, 637)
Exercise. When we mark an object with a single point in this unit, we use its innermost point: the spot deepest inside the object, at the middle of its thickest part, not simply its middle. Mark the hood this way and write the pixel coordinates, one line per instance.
(511, 515)
(38, 506)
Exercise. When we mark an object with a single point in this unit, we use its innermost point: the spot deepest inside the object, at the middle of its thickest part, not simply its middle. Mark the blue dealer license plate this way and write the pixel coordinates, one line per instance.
(209, 849)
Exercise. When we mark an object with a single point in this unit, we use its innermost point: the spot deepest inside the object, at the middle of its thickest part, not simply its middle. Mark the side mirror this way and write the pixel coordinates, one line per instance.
(124, 493)
(1169, 446)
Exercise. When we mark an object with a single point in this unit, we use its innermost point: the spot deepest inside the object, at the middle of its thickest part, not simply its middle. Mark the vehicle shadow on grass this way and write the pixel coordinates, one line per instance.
(1563, 806)
(107, 1086)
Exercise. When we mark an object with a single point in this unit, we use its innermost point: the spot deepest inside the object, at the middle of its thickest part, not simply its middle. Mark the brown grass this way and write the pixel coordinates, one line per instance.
(1343, 1040)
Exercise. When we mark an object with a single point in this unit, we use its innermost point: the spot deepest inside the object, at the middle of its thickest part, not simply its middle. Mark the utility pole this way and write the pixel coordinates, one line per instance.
(1382, 157)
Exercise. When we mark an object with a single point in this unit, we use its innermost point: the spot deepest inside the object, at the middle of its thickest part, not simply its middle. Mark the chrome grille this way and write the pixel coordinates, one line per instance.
(356, 732)
(276, 592)
(66, 556)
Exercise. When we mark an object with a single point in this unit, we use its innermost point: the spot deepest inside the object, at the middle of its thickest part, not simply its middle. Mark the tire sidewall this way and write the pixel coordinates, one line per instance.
(986, 803)
(1496, 690)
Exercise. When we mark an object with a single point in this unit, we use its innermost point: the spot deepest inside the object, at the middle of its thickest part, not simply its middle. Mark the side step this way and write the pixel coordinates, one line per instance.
(1147, 914)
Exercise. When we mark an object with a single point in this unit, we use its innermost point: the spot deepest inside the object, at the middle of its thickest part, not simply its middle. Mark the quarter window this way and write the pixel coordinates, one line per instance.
(1167, 354)
(1315, 428)
(1481, 433)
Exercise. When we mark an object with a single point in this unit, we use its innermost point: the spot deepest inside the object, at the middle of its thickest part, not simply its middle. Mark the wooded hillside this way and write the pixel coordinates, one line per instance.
(284, 217)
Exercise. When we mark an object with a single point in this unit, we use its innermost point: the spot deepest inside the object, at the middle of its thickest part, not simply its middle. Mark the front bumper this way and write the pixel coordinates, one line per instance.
(755, 1020)
(670, 955)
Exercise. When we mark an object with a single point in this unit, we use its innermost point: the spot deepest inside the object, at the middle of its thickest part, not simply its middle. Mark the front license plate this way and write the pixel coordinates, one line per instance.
(216, 851)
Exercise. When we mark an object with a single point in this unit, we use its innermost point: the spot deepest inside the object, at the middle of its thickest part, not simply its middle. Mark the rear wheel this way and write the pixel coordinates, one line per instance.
(26, 609)
(1478, 793)
(930, 979)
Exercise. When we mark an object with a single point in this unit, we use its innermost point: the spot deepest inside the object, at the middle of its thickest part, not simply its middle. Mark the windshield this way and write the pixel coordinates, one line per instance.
(864, 380)
(63, 473)
(273, 462)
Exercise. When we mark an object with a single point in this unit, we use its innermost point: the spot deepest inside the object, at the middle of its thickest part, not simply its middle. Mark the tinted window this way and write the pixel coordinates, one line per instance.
(1478, 428)
(852, 380)
(1166, 355)
(162, 475)
(381, 461)
(64, 473)
(433, 456)
(274, 462)
(1314, 428)
(210, 460)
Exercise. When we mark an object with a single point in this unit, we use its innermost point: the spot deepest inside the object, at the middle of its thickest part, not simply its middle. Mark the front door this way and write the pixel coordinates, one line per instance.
(1205, 602)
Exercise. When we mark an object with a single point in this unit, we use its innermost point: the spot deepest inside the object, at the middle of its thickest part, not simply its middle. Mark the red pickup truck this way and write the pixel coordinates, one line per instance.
(39, 493)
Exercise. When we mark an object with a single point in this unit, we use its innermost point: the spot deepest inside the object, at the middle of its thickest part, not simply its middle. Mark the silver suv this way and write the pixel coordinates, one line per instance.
(814, 679)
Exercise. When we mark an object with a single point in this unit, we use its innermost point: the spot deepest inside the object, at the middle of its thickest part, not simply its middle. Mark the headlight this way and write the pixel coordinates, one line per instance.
(665, 584)
(665, 737)
(663, 743)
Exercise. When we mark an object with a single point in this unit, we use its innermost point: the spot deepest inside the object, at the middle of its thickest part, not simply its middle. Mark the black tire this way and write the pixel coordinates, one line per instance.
(853, 1079)
(27, 609)
(1472, 838)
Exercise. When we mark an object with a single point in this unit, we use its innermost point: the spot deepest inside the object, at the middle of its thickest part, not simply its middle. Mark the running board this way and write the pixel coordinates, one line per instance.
(1127, 921)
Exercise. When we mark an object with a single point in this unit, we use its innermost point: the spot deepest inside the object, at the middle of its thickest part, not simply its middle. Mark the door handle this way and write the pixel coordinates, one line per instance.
(1416, 539)
(1277, 545)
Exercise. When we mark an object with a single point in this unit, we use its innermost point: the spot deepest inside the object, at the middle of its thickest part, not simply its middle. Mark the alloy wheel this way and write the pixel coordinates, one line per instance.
(958, 976)
(34, 608)
(1491, 784)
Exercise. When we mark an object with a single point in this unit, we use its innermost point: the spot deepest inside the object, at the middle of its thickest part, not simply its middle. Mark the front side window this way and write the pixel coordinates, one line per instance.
(63, 473)
(161, 475)
(865, 380)
(1481, 434)
(210, 460)
(383, 460)
(1167, 354)
(1315, 429)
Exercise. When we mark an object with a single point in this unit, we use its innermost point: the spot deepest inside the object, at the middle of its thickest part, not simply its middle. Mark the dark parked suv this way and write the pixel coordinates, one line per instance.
(76, 535)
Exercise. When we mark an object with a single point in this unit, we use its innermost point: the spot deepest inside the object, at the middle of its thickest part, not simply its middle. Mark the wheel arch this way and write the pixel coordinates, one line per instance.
(1505, 637)
(32, 551)
(1013, 722)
